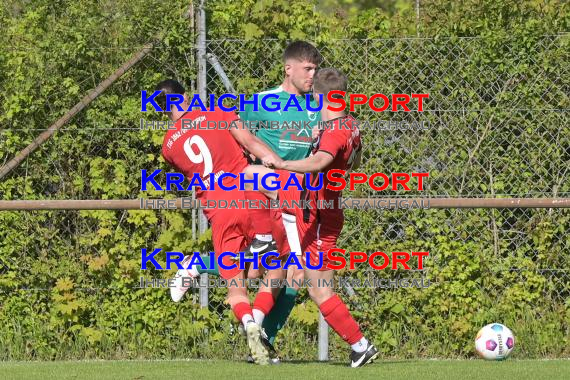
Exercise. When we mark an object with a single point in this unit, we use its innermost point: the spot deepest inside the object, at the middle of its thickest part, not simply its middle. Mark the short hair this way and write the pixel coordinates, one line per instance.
(302, 51)
(169, 86)
(329, 79)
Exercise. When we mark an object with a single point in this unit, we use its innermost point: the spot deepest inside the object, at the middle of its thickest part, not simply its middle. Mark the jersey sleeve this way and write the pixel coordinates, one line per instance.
(332, 141)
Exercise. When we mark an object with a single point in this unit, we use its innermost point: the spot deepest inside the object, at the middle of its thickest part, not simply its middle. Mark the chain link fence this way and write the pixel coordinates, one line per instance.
(496, 125)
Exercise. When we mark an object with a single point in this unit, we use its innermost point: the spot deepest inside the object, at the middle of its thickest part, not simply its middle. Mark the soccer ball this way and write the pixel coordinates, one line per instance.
(495, 342)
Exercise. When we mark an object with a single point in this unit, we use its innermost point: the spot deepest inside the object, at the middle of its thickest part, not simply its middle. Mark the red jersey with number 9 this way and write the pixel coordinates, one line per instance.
(197, 149)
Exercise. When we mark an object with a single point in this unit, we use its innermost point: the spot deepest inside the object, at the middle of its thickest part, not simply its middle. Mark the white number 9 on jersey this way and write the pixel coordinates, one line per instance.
(204, 155)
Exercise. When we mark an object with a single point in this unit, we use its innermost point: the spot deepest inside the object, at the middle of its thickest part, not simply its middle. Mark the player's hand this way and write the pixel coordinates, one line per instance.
(272, 162)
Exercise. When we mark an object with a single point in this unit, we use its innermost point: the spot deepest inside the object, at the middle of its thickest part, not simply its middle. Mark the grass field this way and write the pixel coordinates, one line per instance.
(205, 369)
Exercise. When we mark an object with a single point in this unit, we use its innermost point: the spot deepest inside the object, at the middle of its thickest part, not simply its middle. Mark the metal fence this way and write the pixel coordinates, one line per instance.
(496, 125)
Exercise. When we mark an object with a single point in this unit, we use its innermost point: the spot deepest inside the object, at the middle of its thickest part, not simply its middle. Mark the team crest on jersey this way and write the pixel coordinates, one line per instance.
(312, 115)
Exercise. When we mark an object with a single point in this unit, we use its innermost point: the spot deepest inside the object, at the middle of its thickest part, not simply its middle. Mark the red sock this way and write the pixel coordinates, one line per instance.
(338, 317)
(264, 302)
(258, 214)
(242, 309)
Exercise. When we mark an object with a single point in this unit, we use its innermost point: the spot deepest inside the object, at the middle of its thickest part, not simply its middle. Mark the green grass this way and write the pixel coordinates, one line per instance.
(217, 369)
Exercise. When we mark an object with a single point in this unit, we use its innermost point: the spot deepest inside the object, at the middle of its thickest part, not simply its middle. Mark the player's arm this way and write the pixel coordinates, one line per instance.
(313, 164)
(253, 144)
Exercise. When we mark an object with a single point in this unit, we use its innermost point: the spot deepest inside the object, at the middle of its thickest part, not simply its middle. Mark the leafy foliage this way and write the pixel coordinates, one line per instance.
(71, 288)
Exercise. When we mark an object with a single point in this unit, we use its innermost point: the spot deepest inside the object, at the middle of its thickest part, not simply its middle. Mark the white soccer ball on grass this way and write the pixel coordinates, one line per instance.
(495, 342)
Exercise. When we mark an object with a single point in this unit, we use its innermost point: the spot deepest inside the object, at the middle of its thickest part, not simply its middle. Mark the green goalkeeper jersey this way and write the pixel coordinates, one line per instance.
(289, 136)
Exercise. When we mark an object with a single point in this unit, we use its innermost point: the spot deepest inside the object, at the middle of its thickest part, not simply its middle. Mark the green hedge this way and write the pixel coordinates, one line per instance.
(69, 291)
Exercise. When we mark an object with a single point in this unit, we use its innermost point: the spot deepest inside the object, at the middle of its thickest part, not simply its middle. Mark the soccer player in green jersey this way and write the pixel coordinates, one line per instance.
(289, 134)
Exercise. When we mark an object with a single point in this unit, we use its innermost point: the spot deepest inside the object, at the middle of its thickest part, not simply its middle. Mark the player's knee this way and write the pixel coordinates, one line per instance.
(299, 274)
(295, 277)
(320, 294)
(253, 273)
(314, 293)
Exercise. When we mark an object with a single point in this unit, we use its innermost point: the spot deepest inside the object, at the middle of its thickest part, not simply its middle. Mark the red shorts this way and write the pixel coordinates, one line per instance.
(291, 194)
(316, 236)
(231, 229)
(317, 239)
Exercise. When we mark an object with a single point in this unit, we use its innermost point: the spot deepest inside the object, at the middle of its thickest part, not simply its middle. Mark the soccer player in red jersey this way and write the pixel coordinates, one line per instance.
(198, 149)
(337, 146)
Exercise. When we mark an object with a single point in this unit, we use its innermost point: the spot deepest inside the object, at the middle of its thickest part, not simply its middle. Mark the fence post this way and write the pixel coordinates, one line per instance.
(201, 79)
(417, 18)
(323, 339)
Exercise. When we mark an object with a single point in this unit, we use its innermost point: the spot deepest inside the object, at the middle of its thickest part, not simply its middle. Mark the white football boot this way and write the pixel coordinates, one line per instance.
(256, 347)
(183, 280)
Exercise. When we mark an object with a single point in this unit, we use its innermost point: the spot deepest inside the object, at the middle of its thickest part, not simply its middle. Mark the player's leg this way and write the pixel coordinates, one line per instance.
(181, 284)
(284, 304)
(263, 241)
(265, 301)
(275, 320)
(265, 298)
(335, 311)
(232, 233)
(263, 237)
(285, 301)
(214, 270)
(263, 229)
(239, 303)
(193, 270)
